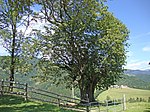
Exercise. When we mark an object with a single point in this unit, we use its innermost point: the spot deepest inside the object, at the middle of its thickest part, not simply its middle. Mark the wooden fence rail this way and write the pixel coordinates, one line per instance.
(20, 88)
(58, 95)
(28, 92)
(32, 93)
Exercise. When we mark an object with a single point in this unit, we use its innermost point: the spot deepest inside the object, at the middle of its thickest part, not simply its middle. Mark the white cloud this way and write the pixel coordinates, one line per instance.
(147, 49)
(141, 65)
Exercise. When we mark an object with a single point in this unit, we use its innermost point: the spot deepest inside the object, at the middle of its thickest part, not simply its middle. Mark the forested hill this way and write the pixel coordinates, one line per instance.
(141, 74)
(136, 79)
(137, 72)
(132, 78)
(133, 82)
(28, 78)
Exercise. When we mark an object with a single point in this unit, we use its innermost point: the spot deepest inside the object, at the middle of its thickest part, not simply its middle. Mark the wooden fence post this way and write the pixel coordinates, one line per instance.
(58, 100)
(115, 101)
(26, 91)
(107, 105)
(2, 86)
(124, 102)
(88, 104)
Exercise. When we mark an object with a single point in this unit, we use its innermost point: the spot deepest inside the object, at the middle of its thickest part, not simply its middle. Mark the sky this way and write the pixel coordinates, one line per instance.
(135, 14)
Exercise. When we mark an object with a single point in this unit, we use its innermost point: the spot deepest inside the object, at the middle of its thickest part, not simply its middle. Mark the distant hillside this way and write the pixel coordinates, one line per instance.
(139, 79)
(135, 72)
(141, 74)
(48, 85)
(133, 82)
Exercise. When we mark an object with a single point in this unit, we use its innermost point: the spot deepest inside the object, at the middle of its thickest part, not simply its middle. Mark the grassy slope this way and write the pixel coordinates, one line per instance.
(17, 104)
(138, 107)
(130, 93)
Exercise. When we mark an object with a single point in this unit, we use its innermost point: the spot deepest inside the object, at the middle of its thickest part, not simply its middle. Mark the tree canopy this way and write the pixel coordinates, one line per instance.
(81, 38)
(14, 14)
(85, 39)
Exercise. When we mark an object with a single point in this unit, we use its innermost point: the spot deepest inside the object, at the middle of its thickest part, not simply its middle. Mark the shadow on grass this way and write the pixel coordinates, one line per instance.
(6, 100)
(17, 104)
(147, 110)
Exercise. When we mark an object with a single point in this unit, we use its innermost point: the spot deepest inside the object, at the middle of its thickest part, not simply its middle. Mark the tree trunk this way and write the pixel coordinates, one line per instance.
(12, 66)
(87, 91)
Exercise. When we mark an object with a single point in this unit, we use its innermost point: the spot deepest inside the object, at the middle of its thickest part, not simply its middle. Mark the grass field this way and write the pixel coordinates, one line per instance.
(129, 93)
(138, 107)
(131, 107)
(17, 104)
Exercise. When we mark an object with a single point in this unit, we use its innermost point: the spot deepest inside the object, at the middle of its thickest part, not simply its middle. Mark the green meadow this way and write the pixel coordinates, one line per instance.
(138, 107)
(17, 104)
(117, 93)
(129, 93)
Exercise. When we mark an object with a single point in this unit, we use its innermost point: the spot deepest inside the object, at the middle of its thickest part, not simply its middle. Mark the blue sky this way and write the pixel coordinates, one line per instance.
(135, 14)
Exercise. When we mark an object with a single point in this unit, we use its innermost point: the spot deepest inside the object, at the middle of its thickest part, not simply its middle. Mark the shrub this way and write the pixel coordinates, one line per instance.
(131, 100)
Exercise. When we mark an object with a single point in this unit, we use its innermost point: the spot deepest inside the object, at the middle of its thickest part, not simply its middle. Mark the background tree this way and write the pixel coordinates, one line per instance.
(14, 21)
(87, 41)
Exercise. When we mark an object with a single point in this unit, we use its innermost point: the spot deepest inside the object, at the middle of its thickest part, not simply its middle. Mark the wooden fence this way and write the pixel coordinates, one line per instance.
(18, 88)
(32, 93)
(115, 105)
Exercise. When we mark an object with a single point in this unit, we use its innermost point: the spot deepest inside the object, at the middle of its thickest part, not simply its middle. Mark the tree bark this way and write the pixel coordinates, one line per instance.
(12, 66)
(87, 90)
(87, 93)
